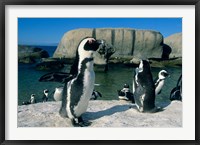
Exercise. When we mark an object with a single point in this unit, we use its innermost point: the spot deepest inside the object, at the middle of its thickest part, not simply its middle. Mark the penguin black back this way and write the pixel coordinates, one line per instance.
(144, 94)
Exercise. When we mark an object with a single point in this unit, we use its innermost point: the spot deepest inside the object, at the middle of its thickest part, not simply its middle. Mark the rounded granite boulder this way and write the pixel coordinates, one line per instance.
(142, 44)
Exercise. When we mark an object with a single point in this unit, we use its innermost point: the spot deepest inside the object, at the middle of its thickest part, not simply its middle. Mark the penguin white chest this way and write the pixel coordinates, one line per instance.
(88, 87)
(159, 87)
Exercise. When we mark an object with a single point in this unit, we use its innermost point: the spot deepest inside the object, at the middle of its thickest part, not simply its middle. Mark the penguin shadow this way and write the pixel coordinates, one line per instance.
(107, 112)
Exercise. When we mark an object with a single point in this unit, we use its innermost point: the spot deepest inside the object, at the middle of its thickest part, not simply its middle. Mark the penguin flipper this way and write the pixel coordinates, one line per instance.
(56, 77)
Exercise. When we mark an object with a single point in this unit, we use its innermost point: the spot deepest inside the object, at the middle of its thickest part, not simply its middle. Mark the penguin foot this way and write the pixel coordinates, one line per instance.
(79, 122)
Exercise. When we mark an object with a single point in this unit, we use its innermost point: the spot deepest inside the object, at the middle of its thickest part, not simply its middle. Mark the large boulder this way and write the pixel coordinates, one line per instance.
(126, 42)
(175, 42)
(28, 54)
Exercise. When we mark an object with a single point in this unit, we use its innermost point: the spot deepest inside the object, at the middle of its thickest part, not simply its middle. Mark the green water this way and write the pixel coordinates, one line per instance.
(108, 82)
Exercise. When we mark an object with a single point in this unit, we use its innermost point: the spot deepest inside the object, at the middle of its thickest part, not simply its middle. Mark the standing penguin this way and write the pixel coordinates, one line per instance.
(176, 92)
(78, 83)
(32, 99)
(57, 94)
(159, 83)
(144, 88)
(45, 96)
(78, 91)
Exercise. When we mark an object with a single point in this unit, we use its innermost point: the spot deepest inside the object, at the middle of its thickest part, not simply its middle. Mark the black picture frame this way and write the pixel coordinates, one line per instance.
(4, 3)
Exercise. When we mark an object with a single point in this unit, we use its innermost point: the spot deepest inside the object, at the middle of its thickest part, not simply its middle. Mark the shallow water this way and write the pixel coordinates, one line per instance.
(108, 83)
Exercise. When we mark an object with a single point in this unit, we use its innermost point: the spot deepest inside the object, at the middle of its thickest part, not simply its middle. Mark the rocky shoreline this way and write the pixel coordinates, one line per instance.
(101, 113)
(123, 46)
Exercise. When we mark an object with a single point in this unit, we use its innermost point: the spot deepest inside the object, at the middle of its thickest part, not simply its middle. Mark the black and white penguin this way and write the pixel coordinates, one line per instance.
(144, 88)
(78, 91)
(45, 95)
(125, 94)
(32, 99)
(95, 95)
(159, 82)
(57, 95)
(176, 92)
(79, 83)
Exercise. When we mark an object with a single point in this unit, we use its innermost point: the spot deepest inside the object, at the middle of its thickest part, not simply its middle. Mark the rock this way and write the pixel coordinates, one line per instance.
(28, 54)
(126, 42)
(154, 62)
(175, 42)
(52, 63)
(111, 113)
(173, 62)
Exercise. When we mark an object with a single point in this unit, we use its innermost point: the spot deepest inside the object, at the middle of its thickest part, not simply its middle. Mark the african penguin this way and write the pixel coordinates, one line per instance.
(162, 75)
(176, 92)
(45, 96)
(58, 94)
(32, 99)
(95, 95)
(78, 83)
(77, 92)
(125, 94)
(144, 88)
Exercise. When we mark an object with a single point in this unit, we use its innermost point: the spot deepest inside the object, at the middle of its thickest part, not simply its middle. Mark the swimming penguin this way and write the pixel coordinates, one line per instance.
(162, 75)
(79, 85)
(45, 96)
(144, 88)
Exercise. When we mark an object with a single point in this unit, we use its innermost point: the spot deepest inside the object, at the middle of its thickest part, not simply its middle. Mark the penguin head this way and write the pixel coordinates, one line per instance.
(126, 86)
(163, 74)
(32, 96)
(144, 64)
(46, 91)
(88, 46)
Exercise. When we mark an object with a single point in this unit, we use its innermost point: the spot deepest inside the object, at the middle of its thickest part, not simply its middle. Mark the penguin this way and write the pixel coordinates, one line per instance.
(176, 92)
(159, 83)
(45, 96)
(125, 94)
(95, 95)
(32, 99)
(58, 94)
(79, 83)
(144, 88)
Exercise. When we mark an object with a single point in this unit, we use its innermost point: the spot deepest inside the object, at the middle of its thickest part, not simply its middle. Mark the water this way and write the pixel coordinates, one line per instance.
(108, 82)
